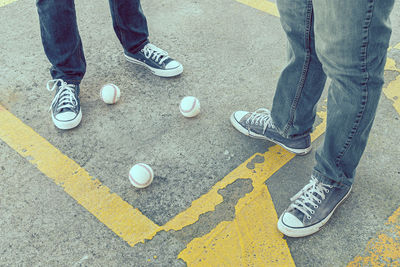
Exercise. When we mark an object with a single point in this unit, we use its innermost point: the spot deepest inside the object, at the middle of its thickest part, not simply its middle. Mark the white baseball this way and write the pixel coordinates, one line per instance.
(141, 175)
(189, 106)
(110, 93)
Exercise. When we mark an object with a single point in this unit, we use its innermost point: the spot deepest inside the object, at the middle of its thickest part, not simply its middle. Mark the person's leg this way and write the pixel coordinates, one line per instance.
(130, 25)
(63, 48)
(302, 81)
(352, 38)
(61, 41)
(299, 87)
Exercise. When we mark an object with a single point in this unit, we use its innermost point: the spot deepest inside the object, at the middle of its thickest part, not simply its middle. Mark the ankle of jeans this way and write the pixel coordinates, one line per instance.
(327, 180)
(288, 135)
(137, 47)
(284, 130)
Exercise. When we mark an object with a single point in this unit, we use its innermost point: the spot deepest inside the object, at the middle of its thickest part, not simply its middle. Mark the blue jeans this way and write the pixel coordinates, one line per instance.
(347, 41)
(62, 43)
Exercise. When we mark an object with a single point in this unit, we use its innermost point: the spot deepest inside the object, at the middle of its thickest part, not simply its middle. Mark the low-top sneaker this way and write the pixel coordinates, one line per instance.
(65, 108)
(311, 208)
(259, 125)
(155, 59)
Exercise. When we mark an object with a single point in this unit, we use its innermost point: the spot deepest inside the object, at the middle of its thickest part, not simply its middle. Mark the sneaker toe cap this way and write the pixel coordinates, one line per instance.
(238, 115)
(173, 64)
(291, 221)
(66, 116)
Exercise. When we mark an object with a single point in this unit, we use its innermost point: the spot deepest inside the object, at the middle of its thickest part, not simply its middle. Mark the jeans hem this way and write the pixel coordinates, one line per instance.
(327, 180)
(292, 136)
(138, 47)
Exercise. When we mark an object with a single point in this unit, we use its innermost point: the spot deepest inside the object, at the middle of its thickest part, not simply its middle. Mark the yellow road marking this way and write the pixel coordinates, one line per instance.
(262, 5)
(392, 91)
(383, 250)
(251, 238)
(124, 220)
(6, 2)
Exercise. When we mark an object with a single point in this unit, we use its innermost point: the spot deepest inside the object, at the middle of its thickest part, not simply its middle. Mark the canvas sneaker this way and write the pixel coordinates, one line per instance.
(65, 108)
(311, 208)
(259, 125)
(156, 60)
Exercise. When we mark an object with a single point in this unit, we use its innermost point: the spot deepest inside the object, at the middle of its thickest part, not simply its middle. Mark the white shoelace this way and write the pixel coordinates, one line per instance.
(157, 54)
(261, 117)
(65, 95)
(307, 196)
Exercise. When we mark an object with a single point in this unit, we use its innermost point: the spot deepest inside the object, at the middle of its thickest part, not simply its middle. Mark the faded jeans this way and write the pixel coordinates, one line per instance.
(62, 43)
(347, 41)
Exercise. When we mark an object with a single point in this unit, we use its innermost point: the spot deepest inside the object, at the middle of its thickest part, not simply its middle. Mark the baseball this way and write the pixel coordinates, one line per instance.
(141, 175)
(189, 106)
(110, 93)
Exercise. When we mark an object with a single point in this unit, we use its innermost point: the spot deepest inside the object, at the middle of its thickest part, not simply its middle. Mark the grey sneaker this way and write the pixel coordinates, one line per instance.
(156, 60)
(311, 208)
(65, 108)
(259, 125)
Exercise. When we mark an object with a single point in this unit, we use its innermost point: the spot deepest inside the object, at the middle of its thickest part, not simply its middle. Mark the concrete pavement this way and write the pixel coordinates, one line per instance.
(208, 176)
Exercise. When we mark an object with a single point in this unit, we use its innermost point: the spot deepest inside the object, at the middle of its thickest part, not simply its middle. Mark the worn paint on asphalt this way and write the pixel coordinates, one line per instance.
(384, 249)
(392, 91)
(243, 241)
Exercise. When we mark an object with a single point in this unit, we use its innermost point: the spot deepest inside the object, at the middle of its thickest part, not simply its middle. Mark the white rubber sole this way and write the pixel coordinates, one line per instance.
(162, 73)
(66, 125)
(306, 231)
(246, 132)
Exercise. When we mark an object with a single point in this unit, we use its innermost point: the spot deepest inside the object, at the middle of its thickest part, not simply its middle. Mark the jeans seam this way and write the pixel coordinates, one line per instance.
(364, 84)
(300, 87)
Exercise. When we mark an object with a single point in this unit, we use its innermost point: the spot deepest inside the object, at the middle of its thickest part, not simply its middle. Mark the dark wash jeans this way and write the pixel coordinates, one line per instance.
(62, 43)
(347, 41)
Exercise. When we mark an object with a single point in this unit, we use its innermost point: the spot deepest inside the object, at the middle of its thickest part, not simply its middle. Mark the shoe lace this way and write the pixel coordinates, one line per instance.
(261, 117)
(156, 54)
(312, 194)
(65, 96)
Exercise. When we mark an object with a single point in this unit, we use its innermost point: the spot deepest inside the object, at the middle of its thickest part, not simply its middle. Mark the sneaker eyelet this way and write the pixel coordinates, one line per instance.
(316, 206)
(327, 190)
(312, 212)
(319, 201)
(309, 217)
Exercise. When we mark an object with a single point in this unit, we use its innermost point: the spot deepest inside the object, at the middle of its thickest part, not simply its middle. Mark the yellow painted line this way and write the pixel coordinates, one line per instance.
(6, 2)
(392, 91)
(383, 250)
(124, 220)
(262, 5)
(251, 239)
